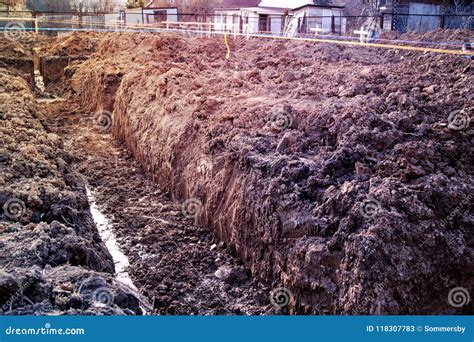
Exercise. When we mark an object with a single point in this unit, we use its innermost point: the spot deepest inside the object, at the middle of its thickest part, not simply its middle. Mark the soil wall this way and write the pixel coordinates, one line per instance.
(52, 259)
(332, 171)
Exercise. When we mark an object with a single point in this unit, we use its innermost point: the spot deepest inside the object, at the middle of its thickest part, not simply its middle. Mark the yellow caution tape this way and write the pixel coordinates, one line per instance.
(227, 45)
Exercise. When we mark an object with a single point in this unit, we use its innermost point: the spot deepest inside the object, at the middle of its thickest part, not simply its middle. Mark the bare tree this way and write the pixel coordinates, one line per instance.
(94, 6)
(11, 3)
(200, 7)
(135, 3)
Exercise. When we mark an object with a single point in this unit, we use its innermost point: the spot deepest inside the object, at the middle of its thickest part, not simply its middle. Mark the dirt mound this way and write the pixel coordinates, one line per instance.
(332, 171)
(444, 38)
(74, 44)
(11, 48)
(20, 44)
(50, 247)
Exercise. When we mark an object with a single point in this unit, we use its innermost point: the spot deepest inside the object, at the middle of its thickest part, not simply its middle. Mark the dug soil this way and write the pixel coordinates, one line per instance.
(179, 266)
(291, 178)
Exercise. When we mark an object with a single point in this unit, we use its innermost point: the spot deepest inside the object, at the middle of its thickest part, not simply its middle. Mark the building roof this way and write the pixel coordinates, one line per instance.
(154, 4)
(264, 10)
(320, 6)
(254, 5)
(239, 3)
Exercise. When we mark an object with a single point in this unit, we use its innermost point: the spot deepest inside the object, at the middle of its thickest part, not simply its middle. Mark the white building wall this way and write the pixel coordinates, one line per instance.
(230, 21)
(320, 18)
(135, 16)
(276, 26)
(253, 22)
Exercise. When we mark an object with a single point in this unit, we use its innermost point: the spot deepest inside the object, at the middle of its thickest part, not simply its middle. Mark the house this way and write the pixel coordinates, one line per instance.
(150, 15)
(249, 17)
(314, 18)
(273, 16)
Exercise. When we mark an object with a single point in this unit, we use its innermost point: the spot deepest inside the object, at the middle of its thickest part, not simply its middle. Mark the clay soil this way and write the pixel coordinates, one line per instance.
(332, 172)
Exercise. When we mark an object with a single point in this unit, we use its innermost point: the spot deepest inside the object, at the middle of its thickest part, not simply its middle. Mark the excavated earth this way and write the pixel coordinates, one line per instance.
(51, 257)
(337, 178)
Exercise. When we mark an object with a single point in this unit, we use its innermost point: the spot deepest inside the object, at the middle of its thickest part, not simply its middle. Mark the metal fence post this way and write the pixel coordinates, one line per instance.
(381, 21)
(333, 24)
(81, 21)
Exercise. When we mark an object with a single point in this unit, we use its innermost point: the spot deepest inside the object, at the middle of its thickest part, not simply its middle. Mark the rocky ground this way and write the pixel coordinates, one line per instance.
(339, 176)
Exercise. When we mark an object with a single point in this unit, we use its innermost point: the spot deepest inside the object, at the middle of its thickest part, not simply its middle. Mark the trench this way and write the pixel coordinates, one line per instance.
(163, 256)
(108, 236)
(103, 224)
(293, 221)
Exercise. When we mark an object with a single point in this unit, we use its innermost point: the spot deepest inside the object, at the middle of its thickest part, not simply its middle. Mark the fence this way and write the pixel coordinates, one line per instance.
(309, 25)
(348, 26)
(424, 23)
(55, 22)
